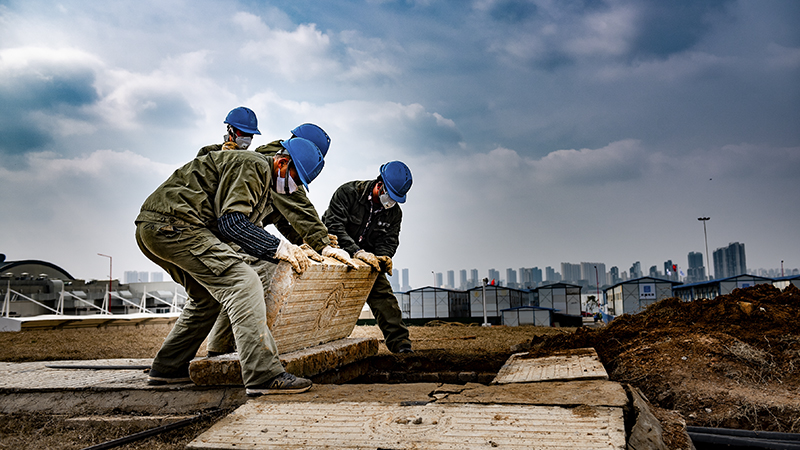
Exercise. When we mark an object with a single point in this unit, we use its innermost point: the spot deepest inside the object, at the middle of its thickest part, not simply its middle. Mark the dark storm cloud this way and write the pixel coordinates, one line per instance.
(512, 11)
(666, 28)
(30, 97)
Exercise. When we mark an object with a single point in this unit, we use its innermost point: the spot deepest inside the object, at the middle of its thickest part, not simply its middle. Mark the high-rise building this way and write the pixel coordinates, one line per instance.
(570, 272)
(157, 277)
(696, 271)
(451, 280)
(636, 270)
(594, 273)
(613, 275)
(474, 278)
(730, 261)
(132, 276)
(670, 270)
(462, 280)
(551, 275)
(494, 275)
(654, 272)
(406, 286)
(511, 278)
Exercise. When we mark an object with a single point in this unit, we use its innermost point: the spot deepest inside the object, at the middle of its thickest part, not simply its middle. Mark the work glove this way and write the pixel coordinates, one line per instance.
(292, 254)
(334, 240)
(386, 264)
(311, 254)
(230, 146)
(339, 254)
(368, 258)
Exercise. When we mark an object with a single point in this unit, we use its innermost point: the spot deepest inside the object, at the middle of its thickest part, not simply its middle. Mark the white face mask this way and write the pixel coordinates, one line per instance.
(286, 184)
(386, 201)
(243, 142)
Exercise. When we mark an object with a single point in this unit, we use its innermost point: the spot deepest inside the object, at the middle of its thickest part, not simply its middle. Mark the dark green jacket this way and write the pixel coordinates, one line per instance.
(347, 217)
(294, 216)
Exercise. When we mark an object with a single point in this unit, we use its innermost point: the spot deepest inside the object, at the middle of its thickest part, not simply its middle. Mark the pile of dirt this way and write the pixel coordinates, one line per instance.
(728, 362)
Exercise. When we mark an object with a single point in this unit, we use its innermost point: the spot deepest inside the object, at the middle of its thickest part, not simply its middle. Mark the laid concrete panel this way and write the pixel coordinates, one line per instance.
(577, 364)
(352, 425)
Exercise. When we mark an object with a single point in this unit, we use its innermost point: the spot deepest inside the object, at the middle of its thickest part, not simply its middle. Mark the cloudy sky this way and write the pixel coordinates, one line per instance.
(538, 131)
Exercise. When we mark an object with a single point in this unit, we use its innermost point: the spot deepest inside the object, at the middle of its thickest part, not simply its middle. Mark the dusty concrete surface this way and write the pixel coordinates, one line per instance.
(421, 415)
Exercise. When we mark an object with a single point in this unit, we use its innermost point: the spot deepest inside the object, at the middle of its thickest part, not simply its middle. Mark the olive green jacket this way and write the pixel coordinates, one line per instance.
(210, 186)
(347, 217)
(295, 216)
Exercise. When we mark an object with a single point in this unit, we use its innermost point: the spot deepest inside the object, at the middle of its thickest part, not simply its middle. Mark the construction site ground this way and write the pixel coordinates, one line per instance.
(729, 362)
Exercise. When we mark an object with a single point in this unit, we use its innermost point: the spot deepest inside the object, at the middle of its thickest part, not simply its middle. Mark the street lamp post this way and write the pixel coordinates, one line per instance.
(705, 234)
(110, 260)
(483, 295)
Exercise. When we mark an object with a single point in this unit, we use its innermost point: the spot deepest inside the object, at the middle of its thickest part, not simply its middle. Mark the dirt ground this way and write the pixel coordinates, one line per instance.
(729, 362)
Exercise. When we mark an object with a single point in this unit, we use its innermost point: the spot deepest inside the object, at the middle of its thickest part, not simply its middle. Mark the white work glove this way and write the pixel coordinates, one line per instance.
(292, 254)
(368, 258)
(311, 254)
(338, 254)
(386, 264)
(334, 240)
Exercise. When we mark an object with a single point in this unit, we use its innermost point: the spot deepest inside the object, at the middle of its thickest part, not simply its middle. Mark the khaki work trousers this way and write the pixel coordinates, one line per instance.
(221, 338)
(215, 279)
(384, 307)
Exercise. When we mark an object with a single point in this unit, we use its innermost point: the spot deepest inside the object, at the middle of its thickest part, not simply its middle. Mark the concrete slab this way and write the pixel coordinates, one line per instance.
(577, 364)
(568, 394)
(227, 369)
(403, 416)
(319, 306)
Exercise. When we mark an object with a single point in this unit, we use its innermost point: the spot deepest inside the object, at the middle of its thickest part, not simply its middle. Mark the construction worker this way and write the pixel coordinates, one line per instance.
(365, 217)
(185, 227)
(242, 125)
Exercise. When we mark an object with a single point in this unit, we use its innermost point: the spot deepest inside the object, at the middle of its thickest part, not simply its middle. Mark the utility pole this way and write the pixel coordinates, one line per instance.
(705, 234)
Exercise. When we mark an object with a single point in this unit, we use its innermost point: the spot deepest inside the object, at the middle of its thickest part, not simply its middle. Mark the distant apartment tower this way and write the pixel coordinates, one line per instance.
(729, 261)
(438, 280)
(551, 275)
(132, 276)
(462, 280)
(654, 273)
(511, 278)
(670, 270)
(570, 272)
(613, 275)
(451, 279)
(594, 273)
(474, 278)
(494, 275)
(156, 277)
(696, 271)
(636, 270)
(406, 286)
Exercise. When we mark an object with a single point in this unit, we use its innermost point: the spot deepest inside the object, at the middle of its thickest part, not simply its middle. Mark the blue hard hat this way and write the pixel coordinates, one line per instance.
(314, 134)
(397, 180)
(306, 157)
(243, 119)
